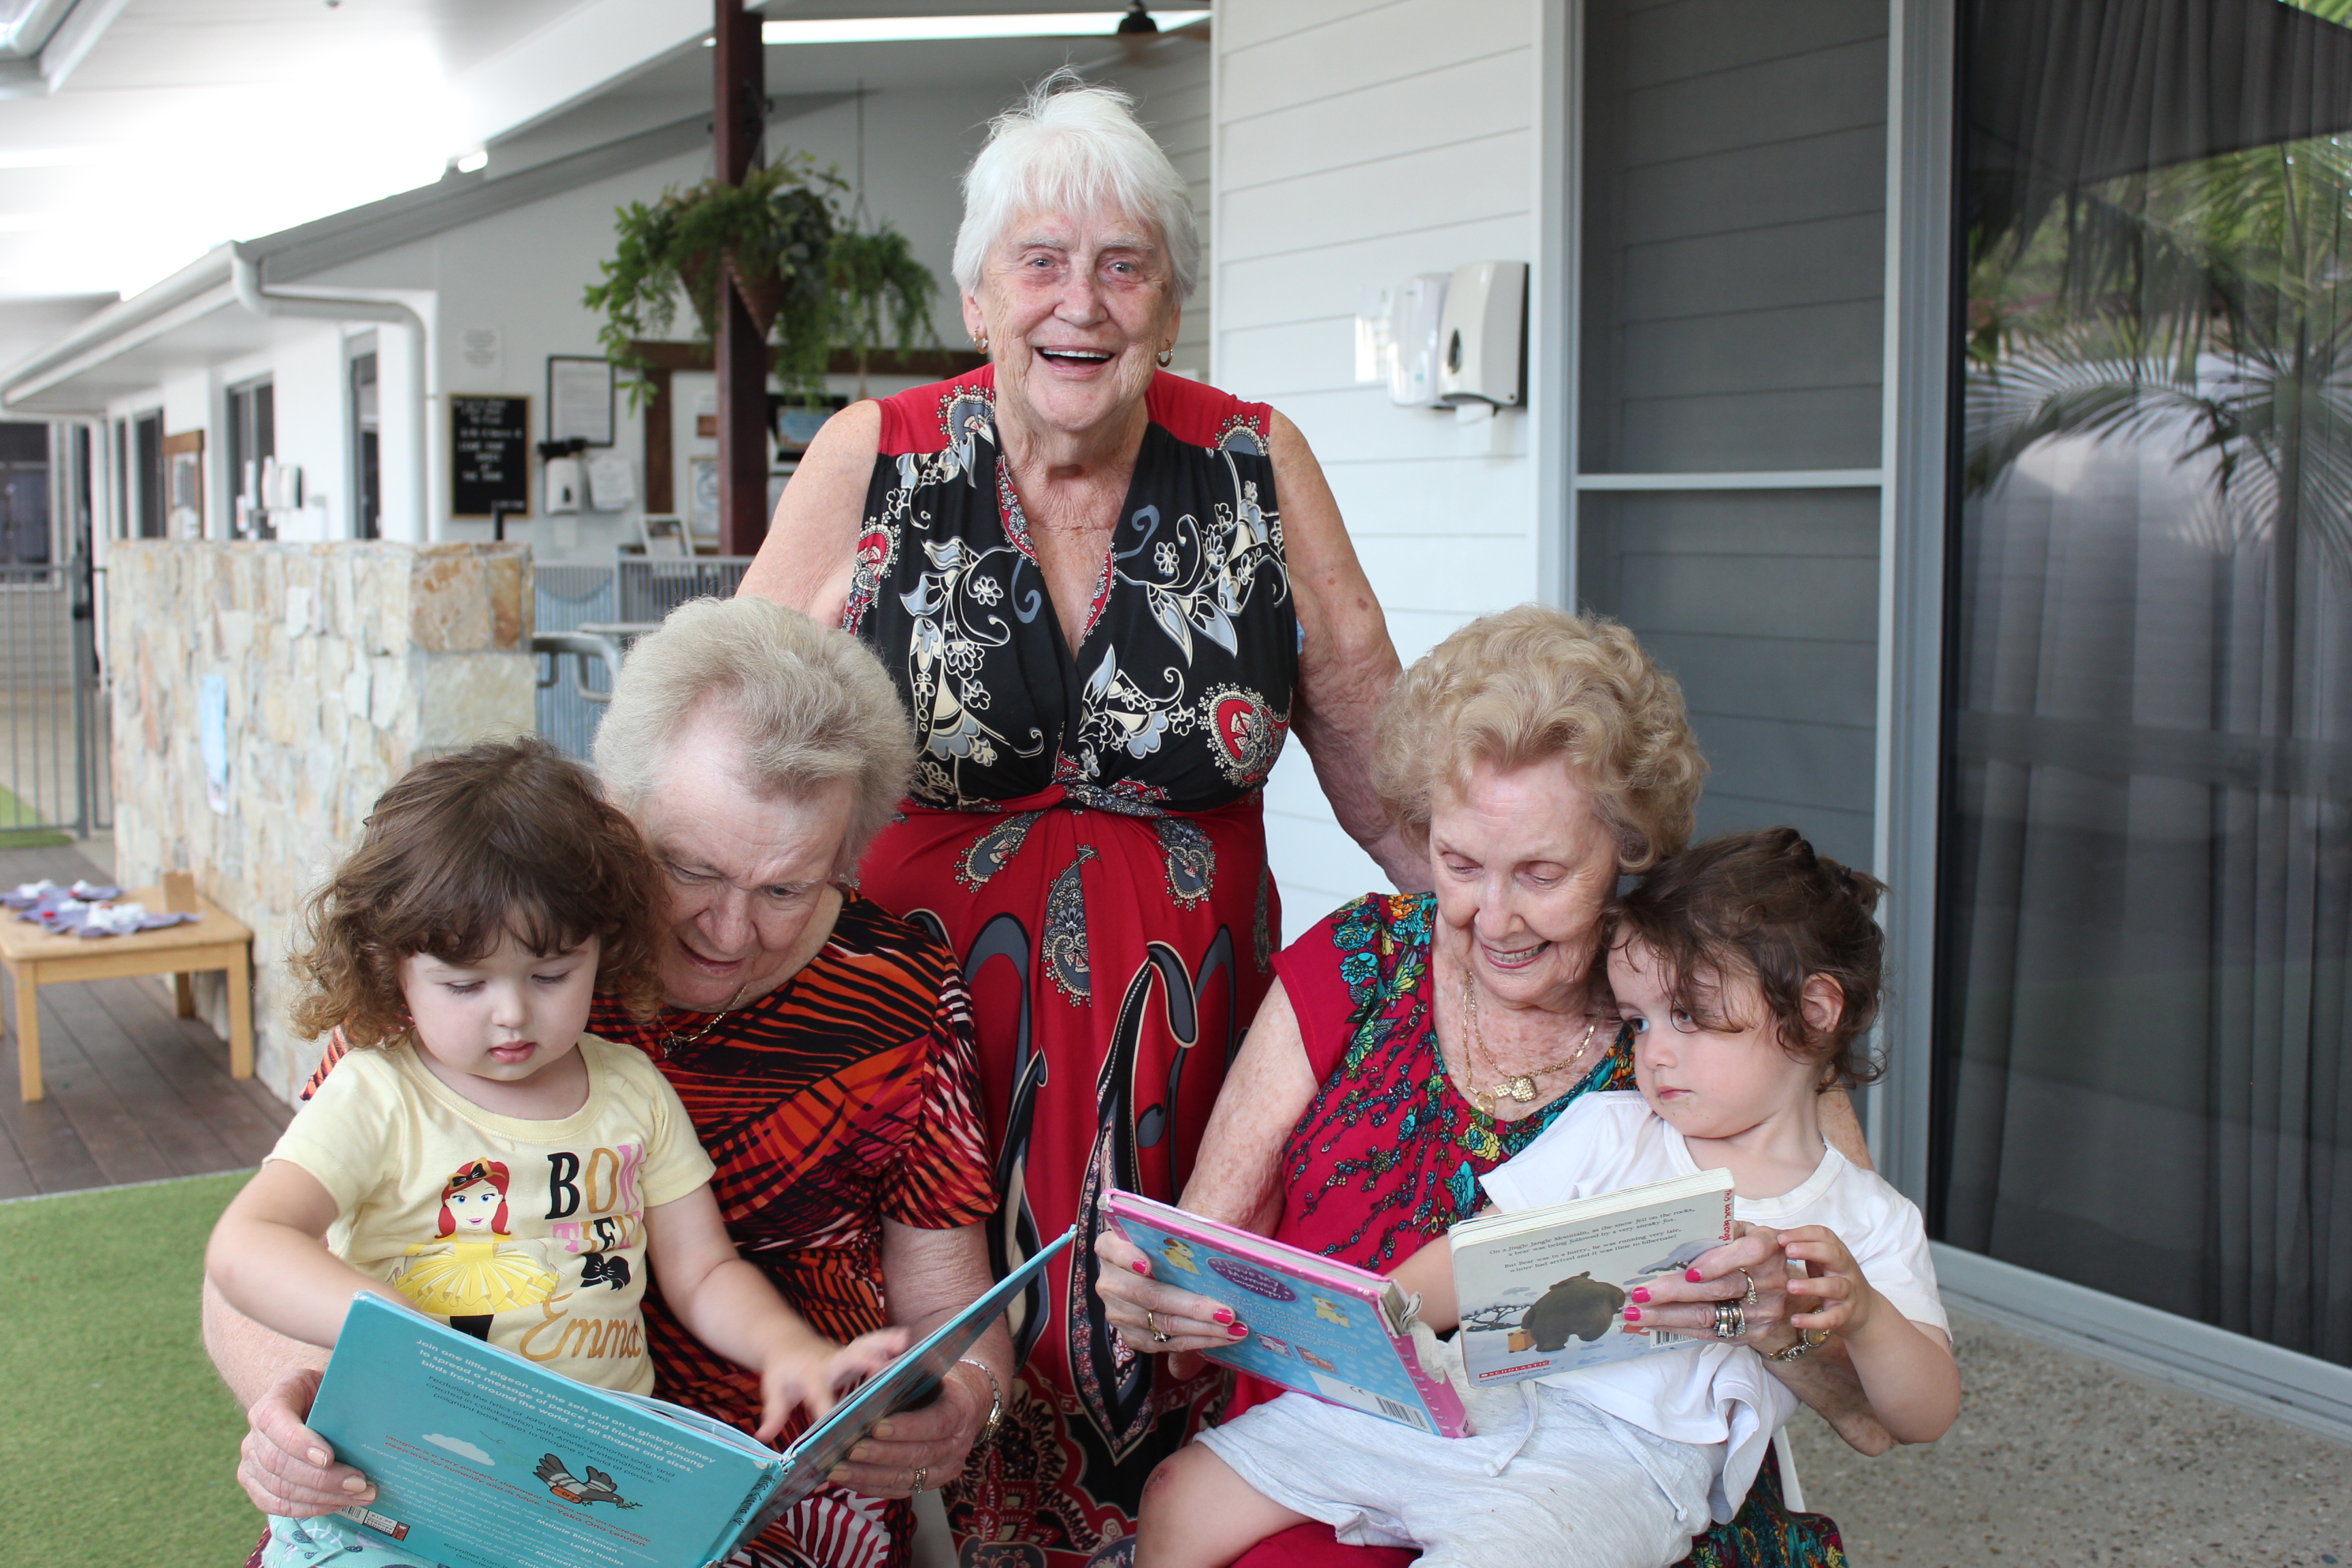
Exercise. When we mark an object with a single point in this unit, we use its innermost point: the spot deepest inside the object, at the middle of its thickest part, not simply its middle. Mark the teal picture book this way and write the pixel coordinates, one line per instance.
(483, 1459)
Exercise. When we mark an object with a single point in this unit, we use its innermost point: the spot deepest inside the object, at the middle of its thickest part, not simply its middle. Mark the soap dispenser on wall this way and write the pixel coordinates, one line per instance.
(1416, 311)
(1483, 334)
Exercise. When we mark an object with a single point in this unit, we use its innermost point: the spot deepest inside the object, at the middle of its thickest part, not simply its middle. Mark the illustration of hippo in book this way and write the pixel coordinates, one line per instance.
(1578, 1308)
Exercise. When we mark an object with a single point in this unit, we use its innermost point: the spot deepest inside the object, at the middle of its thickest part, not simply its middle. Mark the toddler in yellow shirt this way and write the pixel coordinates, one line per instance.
(477, 1157)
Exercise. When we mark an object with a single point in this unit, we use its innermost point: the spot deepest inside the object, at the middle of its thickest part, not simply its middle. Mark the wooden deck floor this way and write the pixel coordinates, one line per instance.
(134, 1094)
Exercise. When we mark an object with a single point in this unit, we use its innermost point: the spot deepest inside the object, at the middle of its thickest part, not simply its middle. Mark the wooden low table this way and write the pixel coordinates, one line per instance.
(33, 958)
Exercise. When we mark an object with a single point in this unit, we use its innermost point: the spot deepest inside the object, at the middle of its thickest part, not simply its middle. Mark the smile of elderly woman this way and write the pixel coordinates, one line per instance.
(759, 752)
(1411, 1043)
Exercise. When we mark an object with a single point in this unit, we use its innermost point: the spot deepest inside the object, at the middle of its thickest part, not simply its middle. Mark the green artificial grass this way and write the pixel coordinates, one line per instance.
(117, 1442)
(21, 826)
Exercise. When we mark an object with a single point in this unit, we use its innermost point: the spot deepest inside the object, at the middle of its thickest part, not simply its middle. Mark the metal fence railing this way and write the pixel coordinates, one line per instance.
(651, 589)
(567, 596)
(55, 759)
(604, 608)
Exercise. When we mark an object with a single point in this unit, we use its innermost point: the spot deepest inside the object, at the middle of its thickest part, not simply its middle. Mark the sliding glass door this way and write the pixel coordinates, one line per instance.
(2147, 910)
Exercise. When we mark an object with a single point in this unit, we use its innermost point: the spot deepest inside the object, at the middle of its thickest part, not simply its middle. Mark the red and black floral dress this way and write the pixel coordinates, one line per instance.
(1084, 831)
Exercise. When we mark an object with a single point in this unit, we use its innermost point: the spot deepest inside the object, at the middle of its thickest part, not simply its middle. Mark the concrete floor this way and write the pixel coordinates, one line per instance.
(2059, 1460)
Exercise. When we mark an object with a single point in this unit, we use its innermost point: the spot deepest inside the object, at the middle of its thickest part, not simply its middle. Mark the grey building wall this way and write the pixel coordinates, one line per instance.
(1733, 287)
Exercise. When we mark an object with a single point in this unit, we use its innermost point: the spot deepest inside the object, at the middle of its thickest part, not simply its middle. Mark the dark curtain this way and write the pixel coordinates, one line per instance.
(2146, 905)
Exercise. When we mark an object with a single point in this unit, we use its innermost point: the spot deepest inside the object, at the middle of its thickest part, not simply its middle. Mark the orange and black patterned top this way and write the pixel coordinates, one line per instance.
(846, 1097)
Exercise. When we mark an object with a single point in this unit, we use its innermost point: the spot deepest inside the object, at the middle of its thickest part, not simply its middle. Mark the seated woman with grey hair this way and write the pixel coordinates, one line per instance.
(1107, 594)
(822, 1045)
(1413, 1043)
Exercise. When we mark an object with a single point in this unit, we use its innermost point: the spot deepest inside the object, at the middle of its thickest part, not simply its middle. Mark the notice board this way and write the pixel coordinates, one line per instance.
(490, 455)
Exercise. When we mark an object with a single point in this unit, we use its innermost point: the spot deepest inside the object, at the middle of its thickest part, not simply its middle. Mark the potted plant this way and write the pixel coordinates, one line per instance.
(874, 276)
(811, 282)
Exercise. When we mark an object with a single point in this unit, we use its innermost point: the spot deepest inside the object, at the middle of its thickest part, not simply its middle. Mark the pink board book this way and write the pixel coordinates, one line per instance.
(1322, 1327)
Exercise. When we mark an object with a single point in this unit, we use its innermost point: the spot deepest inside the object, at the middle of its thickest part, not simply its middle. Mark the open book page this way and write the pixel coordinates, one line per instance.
(1544, 1290)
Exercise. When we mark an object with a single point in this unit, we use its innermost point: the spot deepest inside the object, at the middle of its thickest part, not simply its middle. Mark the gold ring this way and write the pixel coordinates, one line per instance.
(1159, 1336)
(922, 1477)
(1748, 1300)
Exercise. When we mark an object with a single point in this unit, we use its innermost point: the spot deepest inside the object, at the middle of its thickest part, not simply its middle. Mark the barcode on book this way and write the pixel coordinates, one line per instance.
(1665, 1338)
(1365, 1400)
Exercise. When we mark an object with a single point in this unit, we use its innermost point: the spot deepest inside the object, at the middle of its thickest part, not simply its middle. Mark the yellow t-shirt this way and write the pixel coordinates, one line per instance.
(527, 1234)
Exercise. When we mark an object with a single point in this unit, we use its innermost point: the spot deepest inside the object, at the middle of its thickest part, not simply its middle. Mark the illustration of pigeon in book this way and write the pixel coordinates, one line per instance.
(597, 1487)
(1583, 1309)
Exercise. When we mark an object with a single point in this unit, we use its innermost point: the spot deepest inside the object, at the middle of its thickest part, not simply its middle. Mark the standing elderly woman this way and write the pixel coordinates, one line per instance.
(1107, 594)
(822, 1047)
(1412, 1043)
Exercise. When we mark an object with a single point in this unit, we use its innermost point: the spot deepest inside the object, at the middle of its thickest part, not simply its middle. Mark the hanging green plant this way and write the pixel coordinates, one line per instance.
(811, 282)
(876, 278)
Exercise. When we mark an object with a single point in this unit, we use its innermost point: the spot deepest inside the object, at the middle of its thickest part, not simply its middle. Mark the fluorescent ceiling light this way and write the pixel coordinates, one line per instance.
(907, 29)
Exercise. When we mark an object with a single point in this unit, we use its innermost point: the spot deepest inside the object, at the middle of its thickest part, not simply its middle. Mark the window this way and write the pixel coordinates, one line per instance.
(24, 495)
(149, 438)
(2144, 1022)
(367, 465)
(252, 442)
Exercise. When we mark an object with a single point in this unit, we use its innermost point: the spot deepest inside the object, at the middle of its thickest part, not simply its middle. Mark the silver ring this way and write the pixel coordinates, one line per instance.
(1158, 1335)
(1748, 1300)
(1731, 1319)
(922, 1478)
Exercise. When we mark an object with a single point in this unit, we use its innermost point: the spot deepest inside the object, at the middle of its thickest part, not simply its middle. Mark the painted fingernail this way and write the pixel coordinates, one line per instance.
(1693, 1276)
(882, 1430)
(1223, 1314)
(355, 1483)
(1632, 1314)
(319, 1456)
(1141, 1268)
(1640, 1295)
(1238, 1331)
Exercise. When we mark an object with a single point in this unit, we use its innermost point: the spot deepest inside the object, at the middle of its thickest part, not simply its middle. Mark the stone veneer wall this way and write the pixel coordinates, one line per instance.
(344, 663)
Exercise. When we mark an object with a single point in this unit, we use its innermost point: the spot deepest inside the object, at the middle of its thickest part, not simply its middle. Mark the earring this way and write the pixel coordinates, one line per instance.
(980, 342)
(1167, 357)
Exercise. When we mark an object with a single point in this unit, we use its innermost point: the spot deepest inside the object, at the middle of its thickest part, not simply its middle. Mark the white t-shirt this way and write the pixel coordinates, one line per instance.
(543, 1249)
(1713, 1394)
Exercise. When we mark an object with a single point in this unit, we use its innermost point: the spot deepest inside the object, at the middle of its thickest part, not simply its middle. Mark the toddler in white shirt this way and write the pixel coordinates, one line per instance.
(1748, 969)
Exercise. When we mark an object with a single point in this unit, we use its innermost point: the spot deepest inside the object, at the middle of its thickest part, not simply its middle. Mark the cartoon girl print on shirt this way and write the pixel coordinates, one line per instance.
(471, 1275)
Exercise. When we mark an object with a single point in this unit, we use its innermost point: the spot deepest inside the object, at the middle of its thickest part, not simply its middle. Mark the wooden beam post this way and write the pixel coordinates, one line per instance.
(742, 351)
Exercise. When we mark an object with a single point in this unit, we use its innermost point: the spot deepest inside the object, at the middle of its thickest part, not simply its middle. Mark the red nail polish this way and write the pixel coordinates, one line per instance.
(1632, 1314)
(1238, 1331)
(1640, 1295)
(1141, 1268)
(1693, 1276)
(1223, 1314)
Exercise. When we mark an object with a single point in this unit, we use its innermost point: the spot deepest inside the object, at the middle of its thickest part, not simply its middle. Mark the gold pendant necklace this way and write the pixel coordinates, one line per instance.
(1520, 1087)
(672, 1041)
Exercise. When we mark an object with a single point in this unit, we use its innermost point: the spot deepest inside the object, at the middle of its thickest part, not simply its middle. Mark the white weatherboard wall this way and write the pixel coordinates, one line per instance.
(1359, 143)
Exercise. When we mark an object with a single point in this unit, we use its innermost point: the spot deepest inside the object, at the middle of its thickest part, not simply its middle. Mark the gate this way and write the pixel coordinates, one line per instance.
(55, 756)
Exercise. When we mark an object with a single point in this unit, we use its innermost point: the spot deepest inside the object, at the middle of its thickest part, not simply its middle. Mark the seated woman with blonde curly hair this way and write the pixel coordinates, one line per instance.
(1411, 1043)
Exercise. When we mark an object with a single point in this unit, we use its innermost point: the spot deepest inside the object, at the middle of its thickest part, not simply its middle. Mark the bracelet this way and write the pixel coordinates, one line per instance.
(987, 1434)
(1798, 1351)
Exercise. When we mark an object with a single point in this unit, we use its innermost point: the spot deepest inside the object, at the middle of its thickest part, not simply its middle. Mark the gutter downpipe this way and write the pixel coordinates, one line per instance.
(244, 275)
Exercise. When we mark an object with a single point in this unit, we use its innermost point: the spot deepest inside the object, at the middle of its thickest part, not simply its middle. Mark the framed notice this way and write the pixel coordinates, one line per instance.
(490, 455)
(579, 399)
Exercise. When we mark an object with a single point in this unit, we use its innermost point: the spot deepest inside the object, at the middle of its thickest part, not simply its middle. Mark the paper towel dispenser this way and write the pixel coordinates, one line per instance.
(1483, 335)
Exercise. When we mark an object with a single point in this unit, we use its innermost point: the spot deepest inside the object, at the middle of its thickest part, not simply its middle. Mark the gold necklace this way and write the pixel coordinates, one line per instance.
(1520, 1087)
(673, 1041)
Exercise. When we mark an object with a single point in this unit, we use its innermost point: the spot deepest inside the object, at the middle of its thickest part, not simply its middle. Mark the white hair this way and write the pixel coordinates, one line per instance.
(813, 705)
(1073, 148)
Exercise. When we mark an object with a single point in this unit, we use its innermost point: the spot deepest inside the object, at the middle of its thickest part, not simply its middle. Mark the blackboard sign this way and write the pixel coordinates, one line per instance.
(490, 455)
